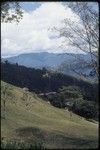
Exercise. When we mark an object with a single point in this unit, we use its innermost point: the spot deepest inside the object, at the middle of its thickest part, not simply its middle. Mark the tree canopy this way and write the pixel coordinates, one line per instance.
(82, 33)
(11, 11)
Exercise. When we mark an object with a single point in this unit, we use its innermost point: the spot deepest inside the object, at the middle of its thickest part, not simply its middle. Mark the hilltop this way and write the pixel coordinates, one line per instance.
(27, 115)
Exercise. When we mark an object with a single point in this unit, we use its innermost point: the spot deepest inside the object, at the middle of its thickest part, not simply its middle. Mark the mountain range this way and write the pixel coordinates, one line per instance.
(67, 63)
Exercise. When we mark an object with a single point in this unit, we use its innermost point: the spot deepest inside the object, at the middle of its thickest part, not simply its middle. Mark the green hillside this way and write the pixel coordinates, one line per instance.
(30, 117)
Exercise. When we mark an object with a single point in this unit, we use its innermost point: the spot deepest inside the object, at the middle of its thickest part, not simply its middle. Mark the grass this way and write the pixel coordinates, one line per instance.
(34, 118)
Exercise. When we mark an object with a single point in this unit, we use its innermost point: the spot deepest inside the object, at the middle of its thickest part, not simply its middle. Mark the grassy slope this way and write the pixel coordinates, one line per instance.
(63, 131)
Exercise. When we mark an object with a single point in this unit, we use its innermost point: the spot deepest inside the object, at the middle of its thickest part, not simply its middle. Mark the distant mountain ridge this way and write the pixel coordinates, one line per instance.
(57, 61)
(44, 59)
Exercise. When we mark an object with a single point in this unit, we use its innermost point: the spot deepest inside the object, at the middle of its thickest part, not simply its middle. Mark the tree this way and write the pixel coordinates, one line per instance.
(86, 109)
(83, 34)
(7, 16)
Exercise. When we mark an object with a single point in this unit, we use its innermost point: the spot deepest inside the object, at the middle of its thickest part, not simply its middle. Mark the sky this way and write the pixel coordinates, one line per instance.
(35, 33)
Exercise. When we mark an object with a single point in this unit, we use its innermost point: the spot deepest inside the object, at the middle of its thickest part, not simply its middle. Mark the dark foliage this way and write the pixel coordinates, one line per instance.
(35, 80)
(86, 109)
(6, 16)
(71, 98)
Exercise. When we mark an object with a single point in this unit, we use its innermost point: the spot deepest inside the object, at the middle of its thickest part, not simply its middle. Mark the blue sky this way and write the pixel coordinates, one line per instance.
(30, 6)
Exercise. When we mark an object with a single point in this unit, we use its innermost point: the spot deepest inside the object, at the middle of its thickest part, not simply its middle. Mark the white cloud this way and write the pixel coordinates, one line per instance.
(32, 34)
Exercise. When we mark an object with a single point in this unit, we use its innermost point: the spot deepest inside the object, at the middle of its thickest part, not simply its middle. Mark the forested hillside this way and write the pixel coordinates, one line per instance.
(82, 96)
(42, 80)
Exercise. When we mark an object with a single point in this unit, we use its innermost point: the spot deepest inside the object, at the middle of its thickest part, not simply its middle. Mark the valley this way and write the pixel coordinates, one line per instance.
(49, 75)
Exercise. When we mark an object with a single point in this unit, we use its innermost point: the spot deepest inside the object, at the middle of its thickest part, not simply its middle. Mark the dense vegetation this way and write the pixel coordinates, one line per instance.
(82, 95)
(35, 80)
(71, 98)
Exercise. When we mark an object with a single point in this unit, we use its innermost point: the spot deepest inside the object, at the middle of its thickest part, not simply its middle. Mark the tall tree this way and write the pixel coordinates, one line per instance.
(83, 35)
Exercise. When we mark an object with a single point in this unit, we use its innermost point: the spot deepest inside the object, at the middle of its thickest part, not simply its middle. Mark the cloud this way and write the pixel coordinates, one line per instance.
(32, 34)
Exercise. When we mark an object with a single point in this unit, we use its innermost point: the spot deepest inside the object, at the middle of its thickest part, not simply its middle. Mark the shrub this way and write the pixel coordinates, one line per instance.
(85, 108)
(72, 98)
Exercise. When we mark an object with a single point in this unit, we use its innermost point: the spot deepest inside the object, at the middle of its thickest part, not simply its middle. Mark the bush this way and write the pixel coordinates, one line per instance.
(84, 108)
(70, 92)
(72, 98)
(64, 95)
